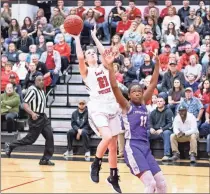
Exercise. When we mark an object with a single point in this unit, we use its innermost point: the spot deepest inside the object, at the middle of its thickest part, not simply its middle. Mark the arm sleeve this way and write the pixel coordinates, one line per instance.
(176, 126)
(193, 126)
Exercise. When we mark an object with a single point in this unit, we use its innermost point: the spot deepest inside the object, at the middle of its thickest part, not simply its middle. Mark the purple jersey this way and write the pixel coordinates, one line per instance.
(136, 122)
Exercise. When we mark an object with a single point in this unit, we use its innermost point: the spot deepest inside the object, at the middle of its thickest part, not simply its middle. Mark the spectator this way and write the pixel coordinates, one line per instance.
(67, 37)
(131, 34)
(193, 38)
(184, 12)
(160, 122)
(154, 27)
(198, 25)
(202, 10)
(153, 105)
(4, 28)
(6, 74)
(52, 59)
(41, 47)
(73, 11)
(205, 129)
(65, 51)
(154, 15)
(4, 61)
(10, 102)
(170, 37)
(172, 17)
(141, 27)
(164, 59)
(205, 59)
(185, 130)
(30, 77)
(150, 46)
(191, 82)
(175, 95)
(129, 72)
(63, 10)
(101, 23)
(151, 4)
(6, 13)
(130, 48)
(116, 42)
(119, 58)
(193, 68)
(41, 67)
(17, 87)
(80, 8)
(204, 93)
(118, 75)
(123, 25)
(164, 12)
(137, 59)
(56, 19)
(12, 53)
(170, 76)
(185, 58)
(182, 43)
(193, 105)
(189, 20)
(80, 129)
(47, 30)
(24, 42)
(206, 21)
(32, 50)
(39, 15)
(20, 68)
(204, 45)
(116, 12)
(29, 27)
(133, 11)
(147, 68)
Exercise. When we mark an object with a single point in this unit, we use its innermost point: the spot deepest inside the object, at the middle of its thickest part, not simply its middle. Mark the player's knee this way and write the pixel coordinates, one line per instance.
(161, 183)
(151, 185)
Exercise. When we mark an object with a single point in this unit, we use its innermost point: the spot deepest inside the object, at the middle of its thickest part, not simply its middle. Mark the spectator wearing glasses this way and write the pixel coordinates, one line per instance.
(80, 129)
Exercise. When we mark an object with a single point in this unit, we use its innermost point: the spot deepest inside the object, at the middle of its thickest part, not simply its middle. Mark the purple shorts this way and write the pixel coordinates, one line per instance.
(139, 158)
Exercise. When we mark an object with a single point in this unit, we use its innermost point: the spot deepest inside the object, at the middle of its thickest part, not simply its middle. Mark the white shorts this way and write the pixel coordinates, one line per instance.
(98, 120)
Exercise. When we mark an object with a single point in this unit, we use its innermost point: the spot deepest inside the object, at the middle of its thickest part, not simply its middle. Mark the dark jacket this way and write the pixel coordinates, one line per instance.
(162, 119)
(130, 75)
(23, 44)
(168, 80)
(30, 80)
(12, 57)
(80, 121)
(183, 13)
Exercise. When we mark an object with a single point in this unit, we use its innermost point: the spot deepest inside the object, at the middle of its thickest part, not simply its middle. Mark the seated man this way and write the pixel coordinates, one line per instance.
(10, 102)
(161, 120)
(205, 129)
(80, 128)
(185, 130)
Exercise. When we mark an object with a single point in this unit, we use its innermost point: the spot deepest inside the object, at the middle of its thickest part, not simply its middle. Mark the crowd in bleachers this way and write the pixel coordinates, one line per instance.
(181, 38)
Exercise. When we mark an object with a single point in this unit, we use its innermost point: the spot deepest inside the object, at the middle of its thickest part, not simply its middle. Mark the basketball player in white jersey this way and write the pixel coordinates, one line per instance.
(102, 107)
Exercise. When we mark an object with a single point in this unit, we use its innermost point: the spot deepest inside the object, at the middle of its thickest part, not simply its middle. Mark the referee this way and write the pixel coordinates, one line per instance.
(34, 105)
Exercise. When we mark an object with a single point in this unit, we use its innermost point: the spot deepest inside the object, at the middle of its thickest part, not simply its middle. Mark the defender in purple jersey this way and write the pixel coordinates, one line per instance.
(137, 153)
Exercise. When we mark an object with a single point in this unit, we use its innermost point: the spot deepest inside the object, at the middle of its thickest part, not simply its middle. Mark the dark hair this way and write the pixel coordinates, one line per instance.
(134, 84)
(24, 22)
(173, 30)
(202, 87)
(180, 87)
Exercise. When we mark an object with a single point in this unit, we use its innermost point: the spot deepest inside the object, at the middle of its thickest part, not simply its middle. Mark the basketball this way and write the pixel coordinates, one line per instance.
(73, 24)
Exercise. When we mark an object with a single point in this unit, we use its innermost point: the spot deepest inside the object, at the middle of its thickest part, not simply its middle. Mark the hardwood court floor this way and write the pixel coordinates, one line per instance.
(26, 176)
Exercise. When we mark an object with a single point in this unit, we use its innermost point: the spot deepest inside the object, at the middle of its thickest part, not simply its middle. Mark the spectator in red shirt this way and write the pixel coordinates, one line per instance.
(123, 25)
(150, 46)
(185, 58)
(133, 11)
(101, 23)
(6, 74)
(118, 75)
(164, 59)
(151, 4)
(80, 8)
(164, 12)
(65, 51)
(52, 59)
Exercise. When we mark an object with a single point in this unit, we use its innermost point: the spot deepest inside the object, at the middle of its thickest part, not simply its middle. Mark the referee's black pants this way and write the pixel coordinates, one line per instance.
(36, 127)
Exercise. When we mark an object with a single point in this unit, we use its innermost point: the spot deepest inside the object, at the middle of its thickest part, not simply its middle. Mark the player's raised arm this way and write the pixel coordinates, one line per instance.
(149, 92)
(109, 58)
(80, 56)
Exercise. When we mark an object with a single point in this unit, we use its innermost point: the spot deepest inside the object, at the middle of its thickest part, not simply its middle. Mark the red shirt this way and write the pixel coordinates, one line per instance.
(208, 109)
(150, 46)
(119, 77)
(50, 63)
(80, 11)
(64, 50)
(164, 60)
(101, 18)
(185, 59)
(154, 93)
(205, 98)
(122, 27)
(5, 79)
(133, 13)
(164, 12)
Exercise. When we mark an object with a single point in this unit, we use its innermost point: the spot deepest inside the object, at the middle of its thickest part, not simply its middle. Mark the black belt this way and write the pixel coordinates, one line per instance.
(41, 114)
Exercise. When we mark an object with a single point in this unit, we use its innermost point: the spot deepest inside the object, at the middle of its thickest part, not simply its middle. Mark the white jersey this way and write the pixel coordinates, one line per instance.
(99, 88)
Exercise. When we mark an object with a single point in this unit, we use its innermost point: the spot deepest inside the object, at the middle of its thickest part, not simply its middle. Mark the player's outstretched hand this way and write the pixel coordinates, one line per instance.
(109, 58)
(155, 55)
(94, 31)
(75, 36)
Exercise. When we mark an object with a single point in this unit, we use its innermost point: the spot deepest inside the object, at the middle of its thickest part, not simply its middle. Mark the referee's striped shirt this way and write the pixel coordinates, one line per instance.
(36, 99)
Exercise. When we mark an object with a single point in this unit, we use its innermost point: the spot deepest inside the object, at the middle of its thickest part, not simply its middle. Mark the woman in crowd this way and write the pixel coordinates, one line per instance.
(41, 46)
(39, 15)
(198, 25)
(170, 37)
(175, 95)
(153, 105)
(116, 42)
(29, 27)
(202, 10)
(130, 48)
(153, 14)
(12, 53)
(118, 57)
(205, 59)
(32, 50)
(154, 27)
